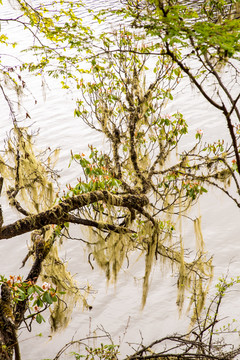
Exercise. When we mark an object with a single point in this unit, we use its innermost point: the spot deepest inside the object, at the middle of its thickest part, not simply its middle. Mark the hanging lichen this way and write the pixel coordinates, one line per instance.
(26, 173)
(110, 253)
(55, 271)
(198, 234)
(152, 244)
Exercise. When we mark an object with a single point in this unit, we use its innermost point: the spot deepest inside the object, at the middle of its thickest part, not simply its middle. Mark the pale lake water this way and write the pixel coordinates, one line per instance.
(116, 307)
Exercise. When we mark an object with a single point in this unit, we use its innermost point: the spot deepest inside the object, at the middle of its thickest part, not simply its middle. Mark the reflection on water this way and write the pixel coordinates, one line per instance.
(112, 306)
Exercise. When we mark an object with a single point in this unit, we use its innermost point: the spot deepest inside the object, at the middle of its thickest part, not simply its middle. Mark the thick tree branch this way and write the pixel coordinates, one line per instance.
(57, 215)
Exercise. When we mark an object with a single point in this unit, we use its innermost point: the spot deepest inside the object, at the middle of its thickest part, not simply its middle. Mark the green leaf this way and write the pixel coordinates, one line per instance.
(77, 113)
(38, 289)
(39, 302)
(54, 298)
(77, 156)
(31, 290)
(39, 318)
(21, 295)
(47, 298)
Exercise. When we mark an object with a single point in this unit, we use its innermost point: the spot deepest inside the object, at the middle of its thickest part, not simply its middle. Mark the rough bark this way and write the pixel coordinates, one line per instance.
(8, 336)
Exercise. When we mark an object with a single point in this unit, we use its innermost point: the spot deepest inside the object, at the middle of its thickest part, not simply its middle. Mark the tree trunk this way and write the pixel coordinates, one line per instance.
(8, 337)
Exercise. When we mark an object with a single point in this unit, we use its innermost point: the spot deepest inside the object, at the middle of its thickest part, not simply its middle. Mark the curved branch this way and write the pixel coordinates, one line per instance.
(57, 214)
(11, 193)
(98, 224)
(185, 69)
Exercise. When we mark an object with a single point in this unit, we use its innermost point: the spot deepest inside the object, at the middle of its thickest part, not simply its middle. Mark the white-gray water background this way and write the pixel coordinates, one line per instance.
(117, 308)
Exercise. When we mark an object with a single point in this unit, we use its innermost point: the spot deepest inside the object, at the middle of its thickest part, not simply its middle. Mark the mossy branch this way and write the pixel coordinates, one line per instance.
(58, 214)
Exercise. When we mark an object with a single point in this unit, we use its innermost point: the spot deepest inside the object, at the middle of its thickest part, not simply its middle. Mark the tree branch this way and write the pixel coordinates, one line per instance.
(57, 214)
(99, 225)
